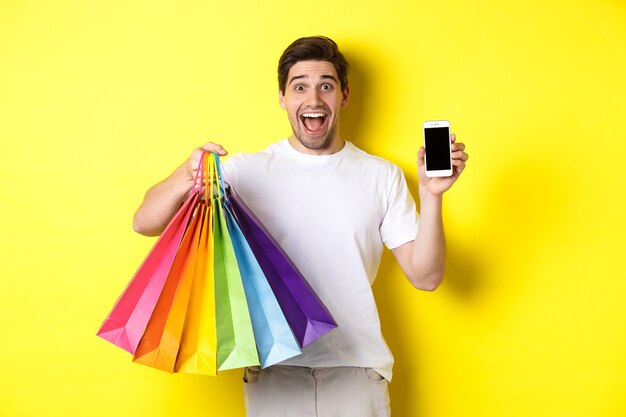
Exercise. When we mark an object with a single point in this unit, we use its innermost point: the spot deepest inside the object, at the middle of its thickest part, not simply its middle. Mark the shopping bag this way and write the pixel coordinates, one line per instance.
(307, 316)
(274, 340)
(126, 323)
(236, 347)
(198, 346)
(159, 345)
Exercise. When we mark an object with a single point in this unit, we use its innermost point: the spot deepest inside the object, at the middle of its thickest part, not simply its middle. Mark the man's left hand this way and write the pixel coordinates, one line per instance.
(438, 185)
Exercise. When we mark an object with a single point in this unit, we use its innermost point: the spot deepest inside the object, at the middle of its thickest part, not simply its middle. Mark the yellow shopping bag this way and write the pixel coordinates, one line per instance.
(199, 340)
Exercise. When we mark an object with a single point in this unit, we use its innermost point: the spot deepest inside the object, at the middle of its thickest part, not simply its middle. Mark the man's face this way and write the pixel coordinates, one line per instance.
(313, 98)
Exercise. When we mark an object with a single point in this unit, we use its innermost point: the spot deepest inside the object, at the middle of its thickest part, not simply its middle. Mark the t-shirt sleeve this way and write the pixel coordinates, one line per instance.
(231, 168)
(401, 219)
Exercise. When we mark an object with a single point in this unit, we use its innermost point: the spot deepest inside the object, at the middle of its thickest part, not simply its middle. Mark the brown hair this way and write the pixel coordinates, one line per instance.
(312, 48)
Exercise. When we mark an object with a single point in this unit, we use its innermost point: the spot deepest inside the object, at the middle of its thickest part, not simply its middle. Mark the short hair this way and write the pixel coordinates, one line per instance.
(312, 48)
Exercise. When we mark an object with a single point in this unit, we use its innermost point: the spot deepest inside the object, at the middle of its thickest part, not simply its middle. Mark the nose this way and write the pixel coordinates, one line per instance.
(313, 98)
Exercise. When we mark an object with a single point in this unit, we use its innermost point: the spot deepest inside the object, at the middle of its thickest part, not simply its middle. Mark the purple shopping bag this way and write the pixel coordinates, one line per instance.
(307, 316)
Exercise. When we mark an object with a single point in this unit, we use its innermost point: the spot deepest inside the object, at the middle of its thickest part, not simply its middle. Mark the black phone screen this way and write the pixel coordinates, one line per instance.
(437, 144)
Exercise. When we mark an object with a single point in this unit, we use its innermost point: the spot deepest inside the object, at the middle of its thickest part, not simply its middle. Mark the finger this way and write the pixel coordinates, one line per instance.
(420, 156)
(193, 162)
(459, 165)
(458, 147)
(452, 138)
(460, 155)
(197, 154)
(457, 162)
(195, 157)
(214, 147)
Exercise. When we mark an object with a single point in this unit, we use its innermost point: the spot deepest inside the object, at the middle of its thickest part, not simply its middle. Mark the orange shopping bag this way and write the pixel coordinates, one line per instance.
(198, 346)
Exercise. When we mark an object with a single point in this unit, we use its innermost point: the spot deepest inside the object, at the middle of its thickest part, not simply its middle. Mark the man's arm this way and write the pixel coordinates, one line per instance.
(423, 259)
(165, 198)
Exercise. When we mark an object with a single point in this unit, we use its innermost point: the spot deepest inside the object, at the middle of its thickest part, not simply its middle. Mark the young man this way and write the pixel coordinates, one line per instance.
(331, 207)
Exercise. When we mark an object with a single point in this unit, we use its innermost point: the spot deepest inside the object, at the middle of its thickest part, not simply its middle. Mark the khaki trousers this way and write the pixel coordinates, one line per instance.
(294, 391)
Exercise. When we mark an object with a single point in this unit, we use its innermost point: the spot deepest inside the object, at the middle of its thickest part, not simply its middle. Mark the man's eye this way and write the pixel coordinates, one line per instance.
(326, 86)
(299, 88)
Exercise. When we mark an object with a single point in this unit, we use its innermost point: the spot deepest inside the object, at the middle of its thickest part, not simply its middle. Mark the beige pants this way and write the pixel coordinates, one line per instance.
(294, 391)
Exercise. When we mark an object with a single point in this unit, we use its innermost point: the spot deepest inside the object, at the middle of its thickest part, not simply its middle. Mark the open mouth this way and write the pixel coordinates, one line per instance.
(313, 122)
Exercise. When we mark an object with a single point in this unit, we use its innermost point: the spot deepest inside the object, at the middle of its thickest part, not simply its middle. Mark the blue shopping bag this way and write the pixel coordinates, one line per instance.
(274, 339)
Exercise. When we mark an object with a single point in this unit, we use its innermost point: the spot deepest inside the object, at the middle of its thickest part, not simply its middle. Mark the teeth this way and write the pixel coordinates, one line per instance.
(312, 115)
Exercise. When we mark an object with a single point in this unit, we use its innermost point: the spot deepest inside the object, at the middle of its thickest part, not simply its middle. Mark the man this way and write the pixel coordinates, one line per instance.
(331, 207)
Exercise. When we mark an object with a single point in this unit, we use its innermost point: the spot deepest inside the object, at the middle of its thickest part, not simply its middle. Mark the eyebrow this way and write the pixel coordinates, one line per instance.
(304, 76)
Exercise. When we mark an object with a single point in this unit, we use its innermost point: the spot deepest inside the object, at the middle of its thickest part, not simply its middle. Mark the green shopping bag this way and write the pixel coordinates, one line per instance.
(236, 347)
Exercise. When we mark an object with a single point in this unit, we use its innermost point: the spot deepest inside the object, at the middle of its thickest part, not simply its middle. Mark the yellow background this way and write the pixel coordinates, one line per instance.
(99, 100)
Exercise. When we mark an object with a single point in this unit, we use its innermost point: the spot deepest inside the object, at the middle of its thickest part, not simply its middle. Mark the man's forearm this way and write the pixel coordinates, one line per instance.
(165, 198)
(161, 203)
(429, 248)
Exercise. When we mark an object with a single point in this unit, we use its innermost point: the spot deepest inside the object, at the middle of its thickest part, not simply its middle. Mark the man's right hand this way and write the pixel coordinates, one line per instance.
(165, 198)
(191, 165)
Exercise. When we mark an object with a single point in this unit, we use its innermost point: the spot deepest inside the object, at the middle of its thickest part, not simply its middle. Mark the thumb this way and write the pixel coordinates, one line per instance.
(420, 156)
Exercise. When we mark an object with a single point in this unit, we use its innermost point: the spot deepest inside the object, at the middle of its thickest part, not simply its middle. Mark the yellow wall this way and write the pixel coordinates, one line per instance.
(99, 100)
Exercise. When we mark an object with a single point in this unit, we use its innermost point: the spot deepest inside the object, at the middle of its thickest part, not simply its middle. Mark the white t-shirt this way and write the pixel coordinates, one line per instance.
(332, 214)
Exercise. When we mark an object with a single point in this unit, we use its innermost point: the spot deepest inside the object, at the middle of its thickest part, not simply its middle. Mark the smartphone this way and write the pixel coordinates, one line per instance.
(438, 149)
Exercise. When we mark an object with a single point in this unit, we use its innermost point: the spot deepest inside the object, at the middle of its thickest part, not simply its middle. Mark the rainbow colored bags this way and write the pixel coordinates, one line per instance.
(125, 325)
(300, 304)
(215, 292)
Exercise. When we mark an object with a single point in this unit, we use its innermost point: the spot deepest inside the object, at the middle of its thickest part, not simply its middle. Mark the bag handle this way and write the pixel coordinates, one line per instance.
(197, 181)
(214, 175)
(218, 164)
(208, 174)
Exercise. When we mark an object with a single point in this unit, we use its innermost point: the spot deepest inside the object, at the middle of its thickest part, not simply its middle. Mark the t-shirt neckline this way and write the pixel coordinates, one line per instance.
(305, 157)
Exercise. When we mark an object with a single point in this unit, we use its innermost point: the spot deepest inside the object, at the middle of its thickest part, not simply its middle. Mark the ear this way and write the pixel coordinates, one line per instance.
(345, 96)
(281, 100)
